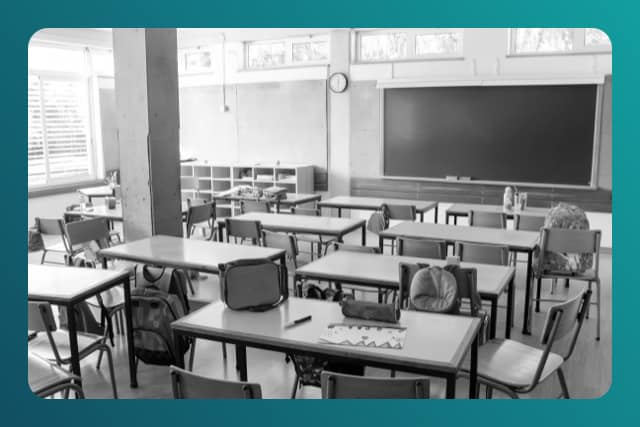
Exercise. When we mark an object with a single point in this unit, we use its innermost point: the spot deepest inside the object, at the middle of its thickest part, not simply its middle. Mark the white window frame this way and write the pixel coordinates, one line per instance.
(579, 46)
(86, 79)
(412, 56)
(288, 48)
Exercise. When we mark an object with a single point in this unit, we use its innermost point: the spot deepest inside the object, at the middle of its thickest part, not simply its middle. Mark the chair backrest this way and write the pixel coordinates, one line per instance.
(572, 242)
(187, 385)
(343, 386)
(422, 248)
(255, 206)
(562, 319)
(467, 281)
(40, 317)
(244, 229)
(197, 214)
(487, 219)
(402, 212)
(526, 222)
(51, 226)
(296, 210)
(482, 254)
(282, 241)
(88, 230)
(335, 246)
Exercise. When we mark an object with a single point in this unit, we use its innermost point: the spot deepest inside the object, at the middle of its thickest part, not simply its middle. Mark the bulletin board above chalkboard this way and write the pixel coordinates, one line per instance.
(512, 134)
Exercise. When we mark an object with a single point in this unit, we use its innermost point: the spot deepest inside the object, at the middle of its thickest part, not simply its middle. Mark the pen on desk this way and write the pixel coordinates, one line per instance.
(297, 322)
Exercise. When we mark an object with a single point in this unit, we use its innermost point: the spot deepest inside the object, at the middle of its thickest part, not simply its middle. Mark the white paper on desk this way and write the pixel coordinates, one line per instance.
(364, 335)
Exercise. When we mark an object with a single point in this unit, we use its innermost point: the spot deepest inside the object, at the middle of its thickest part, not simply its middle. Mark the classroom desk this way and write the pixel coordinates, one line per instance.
(67, 286)
(435, 344)
(382, 271)
(462, 209)
(321, 225)
(187, 254)
(97, 192)
(102, 211)
(292, 199)
(517, 241)
(374, 203)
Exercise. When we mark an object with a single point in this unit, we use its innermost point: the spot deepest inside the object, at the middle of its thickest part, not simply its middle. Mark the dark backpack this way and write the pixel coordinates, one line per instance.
(379, 220)
(159, 299)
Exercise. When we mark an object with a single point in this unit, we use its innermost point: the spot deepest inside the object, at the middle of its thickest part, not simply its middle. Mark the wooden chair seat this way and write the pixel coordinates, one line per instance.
(87, 343)
(587, 275)
(513, 363)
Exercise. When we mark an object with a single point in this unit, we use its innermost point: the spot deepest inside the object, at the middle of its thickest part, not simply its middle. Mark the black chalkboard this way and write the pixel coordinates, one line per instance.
(529, 134)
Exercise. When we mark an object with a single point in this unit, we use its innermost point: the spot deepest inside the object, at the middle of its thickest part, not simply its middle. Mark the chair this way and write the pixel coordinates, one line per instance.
(399, 213)
(335, 246)
(315, 241)
(55, 346)
(487, 219)
(423, 248)
(46, 378)
(570, 242)
(482, 254)
(243, 229)
(187, 385)
(526, 222)
(517, 368)
(247, 206)
(342, 386)
(199, 214)
(52, 228)
(287, 242)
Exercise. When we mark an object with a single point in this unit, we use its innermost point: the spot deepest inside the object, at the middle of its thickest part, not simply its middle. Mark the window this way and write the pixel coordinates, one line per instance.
(549, 41)
(59, 129)
(194, 61)
(290, 52)
(408, 44)
(102, 62)
(595, 37)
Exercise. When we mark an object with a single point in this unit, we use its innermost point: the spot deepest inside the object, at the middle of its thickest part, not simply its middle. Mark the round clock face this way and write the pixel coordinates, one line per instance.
(338, 82)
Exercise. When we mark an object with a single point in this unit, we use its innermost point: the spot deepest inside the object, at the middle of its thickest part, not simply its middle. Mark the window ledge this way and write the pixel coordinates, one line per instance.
(50, 190)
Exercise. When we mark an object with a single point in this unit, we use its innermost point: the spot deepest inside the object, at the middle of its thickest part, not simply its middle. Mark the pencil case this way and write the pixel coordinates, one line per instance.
(371, 311)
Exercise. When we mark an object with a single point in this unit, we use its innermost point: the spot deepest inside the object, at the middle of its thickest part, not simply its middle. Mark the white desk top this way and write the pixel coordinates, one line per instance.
(363, 268)
(464, 208)
(514, 239)
(374, 203)
(102, 211)
(65, 285)
(178, 252)
(433, 341)
(304, 224)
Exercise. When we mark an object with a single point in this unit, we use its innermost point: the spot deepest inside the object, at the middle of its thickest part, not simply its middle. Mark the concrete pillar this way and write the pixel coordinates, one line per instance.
(146, 85)
(339, 117)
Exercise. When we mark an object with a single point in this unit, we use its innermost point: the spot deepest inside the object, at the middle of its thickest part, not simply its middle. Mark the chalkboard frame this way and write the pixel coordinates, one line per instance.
(594, 155)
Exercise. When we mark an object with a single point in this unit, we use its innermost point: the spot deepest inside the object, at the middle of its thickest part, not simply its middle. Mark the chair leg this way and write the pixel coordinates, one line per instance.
(598, 308)
(99, 358)
(563, 384)
(488, 392)
(554, 284)
(224, 351)
(44, 254)
(538, 295)
(111, 371)
(189, 282)
(192, 354)
(295, 386)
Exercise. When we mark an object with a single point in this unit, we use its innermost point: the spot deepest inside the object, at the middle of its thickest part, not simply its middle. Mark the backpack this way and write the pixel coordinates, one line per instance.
(435, 290)
(253, 284)
(158, 300)
(379, 220)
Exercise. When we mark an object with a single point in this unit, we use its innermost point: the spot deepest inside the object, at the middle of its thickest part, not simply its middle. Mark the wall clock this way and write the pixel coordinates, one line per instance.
(338, 82)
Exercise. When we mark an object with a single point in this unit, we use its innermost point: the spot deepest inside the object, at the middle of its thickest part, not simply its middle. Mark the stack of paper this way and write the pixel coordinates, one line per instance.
(364, 335)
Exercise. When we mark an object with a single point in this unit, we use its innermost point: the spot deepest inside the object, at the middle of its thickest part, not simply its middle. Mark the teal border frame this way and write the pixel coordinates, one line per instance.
(617, 18)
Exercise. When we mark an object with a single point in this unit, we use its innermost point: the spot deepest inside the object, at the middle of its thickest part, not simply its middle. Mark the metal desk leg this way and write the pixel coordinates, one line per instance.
(129, 325)
(446, 218)
(455, 220)
(473, 374)
(73, 341)
(220, 234)
(510, 301)
(177, 339)
(421, 216)
(494, 317)
(451, 387)
(339, 212)
(526, 323)
(381, 244)
(435, 215)
(364, 235)
(241, 361)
